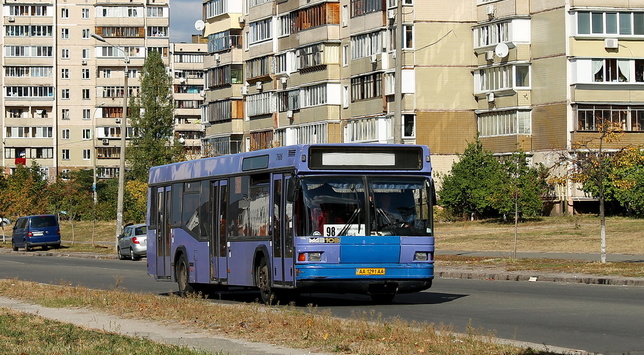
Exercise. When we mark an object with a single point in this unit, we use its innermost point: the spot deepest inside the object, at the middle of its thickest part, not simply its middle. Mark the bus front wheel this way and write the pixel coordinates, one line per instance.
(263, 282)
(182, 273)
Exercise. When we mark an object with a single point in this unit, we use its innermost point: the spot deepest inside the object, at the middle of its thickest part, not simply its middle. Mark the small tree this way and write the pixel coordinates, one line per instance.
(522, 188)
(468, 187)
(152, 120)
(591, 165)
(24, 192)
(627, 179)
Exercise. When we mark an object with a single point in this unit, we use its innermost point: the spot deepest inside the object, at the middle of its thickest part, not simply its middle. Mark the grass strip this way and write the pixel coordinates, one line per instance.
(365, 333)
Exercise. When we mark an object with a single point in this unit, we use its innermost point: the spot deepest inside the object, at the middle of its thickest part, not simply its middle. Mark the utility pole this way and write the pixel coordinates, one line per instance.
(398, 75)
(121, 183)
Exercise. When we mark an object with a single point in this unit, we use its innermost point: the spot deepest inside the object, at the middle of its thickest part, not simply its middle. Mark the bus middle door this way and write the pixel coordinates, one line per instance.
(282, 237)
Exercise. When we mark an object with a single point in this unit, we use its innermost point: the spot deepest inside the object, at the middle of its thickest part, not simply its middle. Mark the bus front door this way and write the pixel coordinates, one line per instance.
(282, 237)
(162, 255)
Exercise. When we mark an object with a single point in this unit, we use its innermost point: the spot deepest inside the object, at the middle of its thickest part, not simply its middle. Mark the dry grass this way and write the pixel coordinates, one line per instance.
(576, 234)
(286, 326)
(28, 334)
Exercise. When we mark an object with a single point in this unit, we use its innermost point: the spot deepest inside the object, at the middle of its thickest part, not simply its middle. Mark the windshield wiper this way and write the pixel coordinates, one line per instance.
(346, 227)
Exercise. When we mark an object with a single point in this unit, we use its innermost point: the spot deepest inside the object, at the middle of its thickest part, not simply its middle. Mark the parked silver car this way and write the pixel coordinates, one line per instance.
(133, 242)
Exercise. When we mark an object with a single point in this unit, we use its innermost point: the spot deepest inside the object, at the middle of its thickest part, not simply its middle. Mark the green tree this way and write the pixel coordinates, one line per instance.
(468, 188)
(522, 187)
(627, 180)
(152, 120)
(23, 192)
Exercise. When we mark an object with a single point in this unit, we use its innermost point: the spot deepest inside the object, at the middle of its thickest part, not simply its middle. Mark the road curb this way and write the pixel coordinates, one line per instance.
(453, 273)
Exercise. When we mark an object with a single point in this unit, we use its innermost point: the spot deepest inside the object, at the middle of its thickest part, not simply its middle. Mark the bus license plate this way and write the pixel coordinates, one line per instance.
(370, 271)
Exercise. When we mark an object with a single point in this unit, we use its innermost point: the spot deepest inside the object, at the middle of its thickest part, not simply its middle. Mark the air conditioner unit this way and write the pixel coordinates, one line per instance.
(289, 114)
(118, 120)
(374, 58)
(241, 19)
(391, 14)
(258, 85)
(182, 80)
(611, 43)
(489, 55)
(489, 10)
(244, 90)
(283, 80)
(106, 141)
(217, 57)
(490, 97)
(11, 19)
(84, 62)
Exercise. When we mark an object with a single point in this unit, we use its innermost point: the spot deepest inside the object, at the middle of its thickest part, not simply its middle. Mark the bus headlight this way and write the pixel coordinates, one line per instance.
(315, 256)
(421, 256)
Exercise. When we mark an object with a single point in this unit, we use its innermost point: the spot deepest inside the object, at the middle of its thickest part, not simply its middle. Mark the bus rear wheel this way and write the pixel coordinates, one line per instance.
(182, 273)
(263, 282)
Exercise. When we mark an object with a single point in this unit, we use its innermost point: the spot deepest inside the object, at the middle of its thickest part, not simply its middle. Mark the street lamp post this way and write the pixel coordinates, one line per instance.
(121, 185)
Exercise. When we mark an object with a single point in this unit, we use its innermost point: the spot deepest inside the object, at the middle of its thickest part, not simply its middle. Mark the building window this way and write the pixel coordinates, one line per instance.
(504, 123)
(107, 73)
(408, 36)
(85, 73)
(87, 135)
(64, 33)
(492, 34)
(64, 94)
(362, 7)
(29, 91)
(64, 73)
(627, 118)
(261, 30)
(506, 77)
(313, 95)
(157, 31)
(87, 114)
(315, 16)
(367, 44)
(155, 11)
(602, 23)
(366, 87)
(258, 67)
(65, 154)
(64, 13)
(214, 8)
(408, 126)
(86, 33)
(64, 53)
(259, 104)
(85, 94)
(65, 113)
(85, 53)
(87, 154)
(84, 13)
(65, 134)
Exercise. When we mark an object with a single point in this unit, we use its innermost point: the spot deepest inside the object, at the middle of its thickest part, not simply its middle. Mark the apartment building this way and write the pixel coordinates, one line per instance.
(187, 64)
(534, 75)
(64, 88)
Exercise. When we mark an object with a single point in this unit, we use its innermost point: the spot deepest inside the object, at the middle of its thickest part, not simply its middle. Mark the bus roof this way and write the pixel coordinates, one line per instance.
(355, 157)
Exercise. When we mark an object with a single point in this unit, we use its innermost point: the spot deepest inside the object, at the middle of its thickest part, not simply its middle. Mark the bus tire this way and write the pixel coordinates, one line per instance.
(182, 273)
(263, 282)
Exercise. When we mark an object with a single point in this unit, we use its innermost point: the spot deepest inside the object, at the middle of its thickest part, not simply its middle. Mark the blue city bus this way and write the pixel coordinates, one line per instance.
(329, 218)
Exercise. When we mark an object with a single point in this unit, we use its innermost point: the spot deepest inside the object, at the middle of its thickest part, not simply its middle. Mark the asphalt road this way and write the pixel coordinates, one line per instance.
(599, 319)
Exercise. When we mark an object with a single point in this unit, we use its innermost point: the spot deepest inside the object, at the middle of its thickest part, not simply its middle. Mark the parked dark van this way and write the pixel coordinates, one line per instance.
(36, 231)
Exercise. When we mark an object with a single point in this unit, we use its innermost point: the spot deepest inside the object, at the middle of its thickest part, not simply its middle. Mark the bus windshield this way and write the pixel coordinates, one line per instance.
(337, 206)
